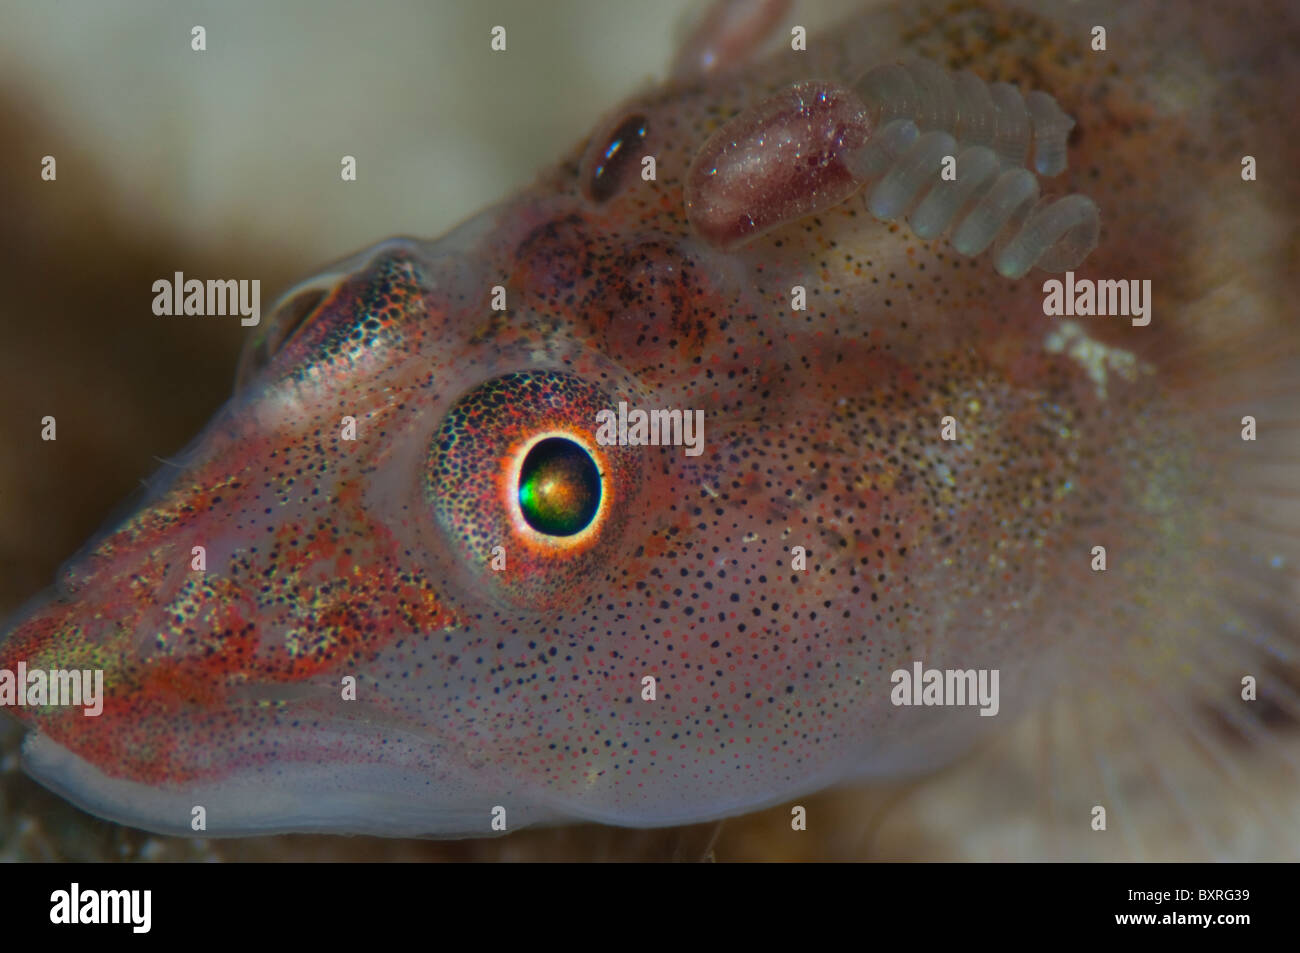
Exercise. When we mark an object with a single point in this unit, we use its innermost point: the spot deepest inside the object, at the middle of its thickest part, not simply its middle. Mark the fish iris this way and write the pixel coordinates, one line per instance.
(559, 487)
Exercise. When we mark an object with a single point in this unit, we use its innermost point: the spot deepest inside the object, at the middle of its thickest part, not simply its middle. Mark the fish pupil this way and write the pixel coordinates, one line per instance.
(559, 487)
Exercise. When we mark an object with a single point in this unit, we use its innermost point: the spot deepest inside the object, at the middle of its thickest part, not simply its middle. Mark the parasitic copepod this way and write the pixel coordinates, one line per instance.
(403, 585)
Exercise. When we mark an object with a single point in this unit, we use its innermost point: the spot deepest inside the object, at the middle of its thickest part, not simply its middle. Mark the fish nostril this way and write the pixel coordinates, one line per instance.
(289, 317)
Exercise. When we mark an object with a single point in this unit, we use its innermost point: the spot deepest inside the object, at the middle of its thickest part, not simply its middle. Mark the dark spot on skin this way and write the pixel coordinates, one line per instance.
(610, 161)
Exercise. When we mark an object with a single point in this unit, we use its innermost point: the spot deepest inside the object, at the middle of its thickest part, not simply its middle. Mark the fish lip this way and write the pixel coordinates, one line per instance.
(275, 810)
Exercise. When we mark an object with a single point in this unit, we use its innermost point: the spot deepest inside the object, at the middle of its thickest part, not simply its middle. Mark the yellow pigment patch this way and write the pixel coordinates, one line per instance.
(1098, 359)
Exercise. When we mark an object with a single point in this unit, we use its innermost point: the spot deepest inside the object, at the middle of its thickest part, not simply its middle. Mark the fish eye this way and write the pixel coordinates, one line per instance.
(559, 487)
(522, 490)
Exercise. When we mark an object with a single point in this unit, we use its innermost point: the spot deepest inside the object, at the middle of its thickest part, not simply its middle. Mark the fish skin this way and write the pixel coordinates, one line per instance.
(821, 429)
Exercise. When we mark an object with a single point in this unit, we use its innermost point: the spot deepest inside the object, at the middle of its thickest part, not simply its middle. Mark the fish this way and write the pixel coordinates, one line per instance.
(401, 585)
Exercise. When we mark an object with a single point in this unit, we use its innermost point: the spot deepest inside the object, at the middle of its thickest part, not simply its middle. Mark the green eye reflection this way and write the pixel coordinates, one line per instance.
(559, 487)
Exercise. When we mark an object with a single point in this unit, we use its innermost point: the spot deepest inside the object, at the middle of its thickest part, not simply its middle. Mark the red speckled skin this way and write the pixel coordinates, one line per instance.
(325, 558)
